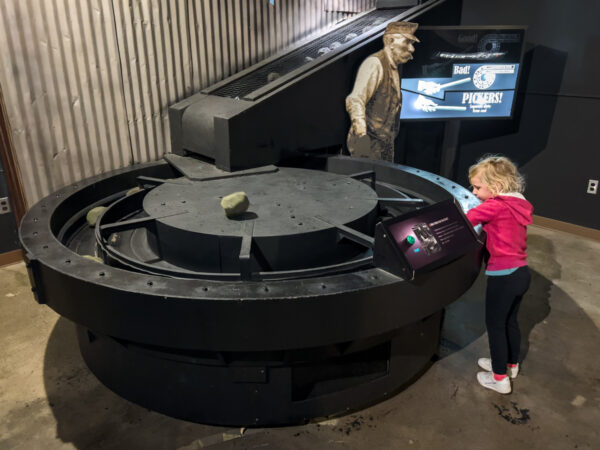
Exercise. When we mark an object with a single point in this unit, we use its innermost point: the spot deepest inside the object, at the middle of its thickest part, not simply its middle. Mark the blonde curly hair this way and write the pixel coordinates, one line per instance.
(499, 174)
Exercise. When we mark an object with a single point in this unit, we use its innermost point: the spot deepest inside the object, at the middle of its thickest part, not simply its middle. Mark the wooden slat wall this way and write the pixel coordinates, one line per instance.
(87, 84)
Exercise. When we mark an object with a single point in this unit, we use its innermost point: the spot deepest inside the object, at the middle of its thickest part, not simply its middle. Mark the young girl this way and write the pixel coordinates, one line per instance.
(504, 214)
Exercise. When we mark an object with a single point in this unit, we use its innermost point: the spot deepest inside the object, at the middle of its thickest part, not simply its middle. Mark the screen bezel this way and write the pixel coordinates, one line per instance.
(518, 81)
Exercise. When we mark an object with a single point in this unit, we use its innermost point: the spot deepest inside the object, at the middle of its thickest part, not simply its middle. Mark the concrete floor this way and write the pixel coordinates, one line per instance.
(50, 400)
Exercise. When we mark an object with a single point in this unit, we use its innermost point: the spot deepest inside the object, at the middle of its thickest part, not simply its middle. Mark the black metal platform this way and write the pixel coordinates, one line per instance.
(274, 317)
(253, 346)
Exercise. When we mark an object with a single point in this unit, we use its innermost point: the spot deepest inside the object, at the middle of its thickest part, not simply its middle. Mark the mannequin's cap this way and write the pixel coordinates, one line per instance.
(406, 29)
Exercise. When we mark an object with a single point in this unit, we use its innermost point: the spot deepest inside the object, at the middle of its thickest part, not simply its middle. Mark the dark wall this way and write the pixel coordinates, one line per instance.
(8, 228)
(555, 135)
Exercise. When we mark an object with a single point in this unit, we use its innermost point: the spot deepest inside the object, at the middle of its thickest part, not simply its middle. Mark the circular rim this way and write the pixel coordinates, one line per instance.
(41, 244)
(224, 315)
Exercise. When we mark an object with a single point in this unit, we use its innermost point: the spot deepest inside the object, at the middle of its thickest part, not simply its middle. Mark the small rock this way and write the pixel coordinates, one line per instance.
(350, 36)
(578, 400)
(94, 258)
(93, 215)
(235, 204)
(273, 76)
(324, 50)
(133, 190)
(330, 422)
(335, 45)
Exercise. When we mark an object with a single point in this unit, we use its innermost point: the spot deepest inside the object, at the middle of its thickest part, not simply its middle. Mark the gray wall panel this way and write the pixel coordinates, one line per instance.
(555, 136)
(88, 84)
(61, 82)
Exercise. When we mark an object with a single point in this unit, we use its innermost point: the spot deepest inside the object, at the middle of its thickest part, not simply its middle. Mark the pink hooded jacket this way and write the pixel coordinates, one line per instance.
(504, 219)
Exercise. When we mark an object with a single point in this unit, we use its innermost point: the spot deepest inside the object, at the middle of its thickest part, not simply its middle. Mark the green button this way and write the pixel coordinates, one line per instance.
(410, 240)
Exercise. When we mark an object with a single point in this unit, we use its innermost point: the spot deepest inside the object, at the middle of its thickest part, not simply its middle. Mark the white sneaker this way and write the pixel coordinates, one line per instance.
(486, 379)
(486, 364)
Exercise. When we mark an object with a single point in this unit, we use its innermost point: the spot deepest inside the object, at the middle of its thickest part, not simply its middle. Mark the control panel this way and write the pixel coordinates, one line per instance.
(423, 239)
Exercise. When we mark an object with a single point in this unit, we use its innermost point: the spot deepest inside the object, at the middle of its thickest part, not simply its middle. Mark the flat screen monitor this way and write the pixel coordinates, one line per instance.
(462, 73)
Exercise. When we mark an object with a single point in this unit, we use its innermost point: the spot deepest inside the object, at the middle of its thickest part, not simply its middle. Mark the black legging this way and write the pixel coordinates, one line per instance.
(502, 300)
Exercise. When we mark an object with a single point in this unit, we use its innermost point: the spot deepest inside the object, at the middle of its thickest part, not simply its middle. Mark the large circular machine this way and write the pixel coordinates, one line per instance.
(274, 317)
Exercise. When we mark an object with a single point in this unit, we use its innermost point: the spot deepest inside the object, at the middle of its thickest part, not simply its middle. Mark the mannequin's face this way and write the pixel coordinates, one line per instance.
(401, 49)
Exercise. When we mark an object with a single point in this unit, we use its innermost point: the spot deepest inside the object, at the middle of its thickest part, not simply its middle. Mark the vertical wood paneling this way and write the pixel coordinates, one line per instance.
(87, 85)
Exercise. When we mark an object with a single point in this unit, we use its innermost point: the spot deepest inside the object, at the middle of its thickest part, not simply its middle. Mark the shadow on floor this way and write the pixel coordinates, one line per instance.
(464, 321)
(90, 416)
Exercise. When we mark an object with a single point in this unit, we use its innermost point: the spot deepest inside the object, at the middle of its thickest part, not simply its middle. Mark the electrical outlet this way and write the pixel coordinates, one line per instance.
(592, 187)
(4, 205)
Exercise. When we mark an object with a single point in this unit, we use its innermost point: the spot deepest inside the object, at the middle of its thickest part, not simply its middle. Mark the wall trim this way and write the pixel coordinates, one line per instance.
(9, 164)
(11, 257)
(578, 230)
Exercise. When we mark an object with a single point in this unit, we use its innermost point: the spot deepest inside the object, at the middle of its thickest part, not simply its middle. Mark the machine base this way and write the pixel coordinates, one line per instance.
(258, 388)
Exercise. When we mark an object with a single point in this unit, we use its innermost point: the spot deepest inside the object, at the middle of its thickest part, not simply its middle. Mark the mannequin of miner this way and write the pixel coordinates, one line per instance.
(375, 101)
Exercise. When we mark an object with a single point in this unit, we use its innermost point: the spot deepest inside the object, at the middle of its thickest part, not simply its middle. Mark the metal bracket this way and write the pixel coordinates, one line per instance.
(367, 174)
(356, 236)
(402, 201)
(151, 182)
(33, 270)
(246, 250)
(196, 170)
